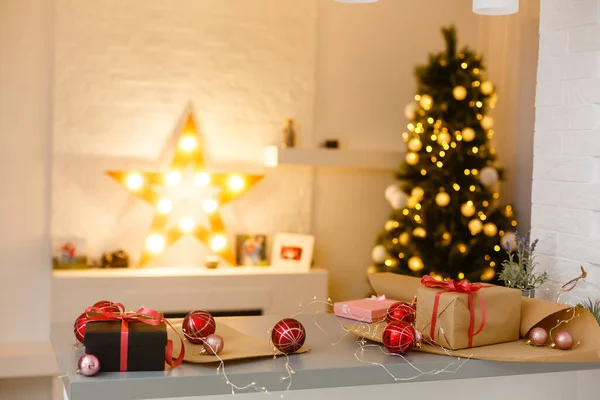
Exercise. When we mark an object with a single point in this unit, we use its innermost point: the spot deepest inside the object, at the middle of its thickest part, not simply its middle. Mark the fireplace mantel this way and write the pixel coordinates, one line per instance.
(271, 290)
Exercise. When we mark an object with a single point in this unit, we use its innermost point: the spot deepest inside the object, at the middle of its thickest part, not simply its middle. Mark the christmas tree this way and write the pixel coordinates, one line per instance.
(446, 220)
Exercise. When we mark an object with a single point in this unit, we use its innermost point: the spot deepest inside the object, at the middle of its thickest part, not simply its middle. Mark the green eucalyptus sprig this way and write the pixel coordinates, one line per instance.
(518, 271)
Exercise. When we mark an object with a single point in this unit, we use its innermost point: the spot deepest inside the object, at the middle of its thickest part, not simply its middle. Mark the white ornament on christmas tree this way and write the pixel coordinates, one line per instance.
(379, 254)
(508, 241)
(487, 122)
(398, 200)
(389, 225)
(410, 111)
(488, 176)
(390, 190)
(487, 88)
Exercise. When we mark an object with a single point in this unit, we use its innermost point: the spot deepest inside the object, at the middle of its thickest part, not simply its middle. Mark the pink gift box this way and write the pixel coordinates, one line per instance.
(372, 309)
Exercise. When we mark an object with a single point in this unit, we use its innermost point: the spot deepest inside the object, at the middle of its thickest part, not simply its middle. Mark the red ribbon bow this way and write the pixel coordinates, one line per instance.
(463, 286)
(144, 315)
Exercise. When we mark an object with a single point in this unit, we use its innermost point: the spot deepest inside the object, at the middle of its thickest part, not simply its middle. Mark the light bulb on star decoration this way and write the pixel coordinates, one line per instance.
(495, 7)
(188, 157)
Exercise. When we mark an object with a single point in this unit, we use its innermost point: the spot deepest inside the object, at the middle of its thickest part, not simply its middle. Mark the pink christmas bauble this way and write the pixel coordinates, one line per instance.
(539, 336)
(418, 337)
(288, 335)
(399, 337)
(88, 365)
(563, 340)
(197, 325)
(79, 327)
(213, 344)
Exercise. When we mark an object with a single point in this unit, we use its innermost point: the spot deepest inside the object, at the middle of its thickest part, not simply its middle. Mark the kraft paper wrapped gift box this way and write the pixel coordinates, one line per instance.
(365, 310)
(454, 319)
(583, 327)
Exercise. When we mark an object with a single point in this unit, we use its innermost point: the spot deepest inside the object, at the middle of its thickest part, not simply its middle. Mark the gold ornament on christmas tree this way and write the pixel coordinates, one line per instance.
(415, 144)
(417, 193)
(419, 232)
(468, 209)
(487, 88)
(459, 93)
(446, 238)
(415, 264)
(490, 229)
(412, 158)
(444, 138)
(468, 134)
(475, 226)
(442, 199)
(404, 238)
(426, 102)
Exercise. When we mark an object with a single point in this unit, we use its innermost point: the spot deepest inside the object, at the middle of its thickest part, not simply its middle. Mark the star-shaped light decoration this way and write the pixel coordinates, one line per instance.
(186, 198)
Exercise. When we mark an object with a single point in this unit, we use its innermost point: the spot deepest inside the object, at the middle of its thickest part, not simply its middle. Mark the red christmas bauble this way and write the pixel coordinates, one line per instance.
(288, 335)
(79, 327)
(399, 337)
(110, 307)
(401, 312)
(197, 325)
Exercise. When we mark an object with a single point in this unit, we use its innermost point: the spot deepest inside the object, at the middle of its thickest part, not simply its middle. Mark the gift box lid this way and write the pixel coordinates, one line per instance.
(371, 304)
(108, 333)
(369, 309)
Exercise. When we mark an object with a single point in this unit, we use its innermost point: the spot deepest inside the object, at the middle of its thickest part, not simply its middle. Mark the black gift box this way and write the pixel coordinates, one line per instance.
(146, 345)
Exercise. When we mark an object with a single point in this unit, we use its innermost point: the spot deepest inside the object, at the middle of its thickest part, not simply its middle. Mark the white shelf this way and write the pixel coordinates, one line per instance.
(362, 159)
(273, 290)
(178, 272)
(27, 359)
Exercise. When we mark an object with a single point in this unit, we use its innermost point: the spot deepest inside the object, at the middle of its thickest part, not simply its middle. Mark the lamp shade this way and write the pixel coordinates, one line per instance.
(495, 7)
(357, 1)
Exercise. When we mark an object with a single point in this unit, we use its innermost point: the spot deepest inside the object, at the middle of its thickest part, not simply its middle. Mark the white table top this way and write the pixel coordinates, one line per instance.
(325, 366)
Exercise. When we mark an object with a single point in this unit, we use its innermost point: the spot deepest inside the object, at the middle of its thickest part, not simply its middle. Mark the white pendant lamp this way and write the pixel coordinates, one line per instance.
(357, 1)
(495, 7)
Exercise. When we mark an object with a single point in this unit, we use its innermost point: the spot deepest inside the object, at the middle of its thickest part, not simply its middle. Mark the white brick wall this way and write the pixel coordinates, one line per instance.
(566, 178)
(124, 74)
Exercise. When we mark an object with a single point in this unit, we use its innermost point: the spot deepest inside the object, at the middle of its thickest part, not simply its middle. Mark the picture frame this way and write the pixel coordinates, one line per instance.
(251, 250)
(293, 250)
(69, 253)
